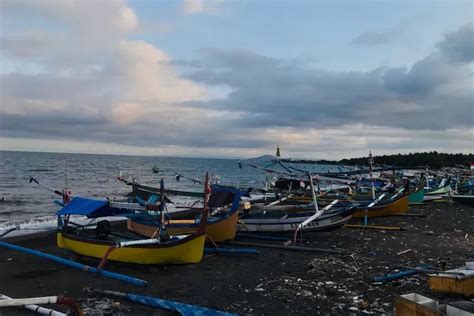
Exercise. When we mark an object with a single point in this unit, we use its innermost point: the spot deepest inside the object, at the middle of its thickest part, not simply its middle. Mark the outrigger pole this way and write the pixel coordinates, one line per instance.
(45, 186)
(37, 309)
(76, 265)
(180, 308)
(29, 303)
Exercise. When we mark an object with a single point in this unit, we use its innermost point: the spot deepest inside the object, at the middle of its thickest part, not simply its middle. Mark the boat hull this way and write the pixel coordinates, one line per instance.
(286, 224)
(444, 190)
(187, 250)
(399, 206)
(220, 230)
(417, 197)
(463, 199)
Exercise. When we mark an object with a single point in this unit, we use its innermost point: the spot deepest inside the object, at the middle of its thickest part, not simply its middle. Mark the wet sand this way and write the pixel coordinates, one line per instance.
(275, 282)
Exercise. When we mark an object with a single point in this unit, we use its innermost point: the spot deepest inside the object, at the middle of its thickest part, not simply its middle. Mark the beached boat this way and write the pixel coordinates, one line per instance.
(463, 199)
(417, 197)
(444, 188)
(178, 250)
(221, 223)
(103, 243)
(384, 208)
(144, 191)
(287, 222)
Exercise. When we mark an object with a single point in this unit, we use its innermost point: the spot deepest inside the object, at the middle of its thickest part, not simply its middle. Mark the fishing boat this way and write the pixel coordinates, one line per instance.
(221, 222)
(144, 191)
(443, 188)
(102, 242)
(381, 206)
(463, 199)
(295, 218)
(395, 206)
(417, 197)
(281, 221)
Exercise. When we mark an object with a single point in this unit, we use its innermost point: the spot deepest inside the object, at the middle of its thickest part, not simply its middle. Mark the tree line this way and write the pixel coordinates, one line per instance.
(432, 159)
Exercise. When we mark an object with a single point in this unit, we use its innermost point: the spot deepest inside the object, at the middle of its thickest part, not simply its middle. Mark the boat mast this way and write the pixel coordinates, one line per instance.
(371, 163)
(313, 193)
(162, 209)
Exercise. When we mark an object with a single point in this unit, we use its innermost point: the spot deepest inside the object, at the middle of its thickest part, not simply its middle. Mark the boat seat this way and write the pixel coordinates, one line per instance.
(180, 221)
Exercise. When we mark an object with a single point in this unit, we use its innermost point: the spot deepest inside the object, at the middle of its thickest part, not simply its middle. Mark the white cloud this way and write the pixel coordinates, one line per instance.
(88, 65)
(201, 6)
(193, 6)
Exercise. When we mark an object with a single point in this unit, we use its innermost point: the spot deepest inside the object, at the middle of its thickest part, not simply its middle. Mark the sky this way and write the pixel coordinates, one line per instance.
(196, 78)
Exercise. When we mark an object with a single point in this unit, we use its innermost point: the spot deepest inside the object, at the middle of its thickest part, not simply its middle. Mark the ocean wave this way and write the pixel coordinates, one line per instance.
(4, 201)
(41, 222)
(45, 223)
(41, 170)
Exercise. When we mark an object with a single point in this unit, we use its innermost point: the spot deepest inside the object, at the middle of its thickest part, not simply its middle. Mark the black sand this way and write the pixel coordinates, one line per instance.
(276, 282)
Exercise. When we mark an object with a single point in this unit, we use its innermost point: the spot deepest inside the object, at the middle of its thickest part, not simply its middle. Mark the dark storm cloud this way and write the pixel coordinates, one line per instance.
(434, 93)
(59, 125)
(375, 38)
(458, 46)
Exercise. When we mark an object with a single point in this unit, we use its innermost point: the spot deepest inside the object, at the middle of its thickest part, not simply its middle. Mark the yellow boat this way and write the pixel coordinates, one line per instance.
(102, 243)
(396, 207)
(188, 249)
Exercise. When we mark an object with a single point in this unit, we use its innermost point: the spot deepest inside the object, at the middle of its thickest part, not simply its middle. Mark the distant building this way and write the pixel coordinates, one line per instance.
(278, 151)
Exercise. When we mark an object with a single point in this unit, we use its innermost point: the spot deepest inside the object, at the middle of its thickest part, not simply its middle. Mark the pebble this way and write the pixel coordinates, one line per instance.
(306, 293)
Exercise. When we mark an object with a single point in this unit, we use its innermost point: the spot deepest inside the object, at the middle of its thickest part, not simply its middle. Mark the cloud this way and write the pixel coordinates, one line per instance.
(86, 17)
(88, 66)
(76, 79)
(201, 6)
(458, 46)
(270, 92)
(373, 38)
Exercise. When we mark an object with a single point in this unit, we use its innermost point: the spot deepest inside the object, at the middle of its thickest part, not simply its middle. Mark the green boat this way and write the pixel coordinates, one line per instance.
(417, 197)
(440, 190)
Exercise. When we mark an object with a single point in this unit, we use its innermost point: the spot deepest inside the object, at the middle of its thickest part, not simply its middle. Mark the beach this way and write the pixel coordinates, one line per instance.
(275, 282)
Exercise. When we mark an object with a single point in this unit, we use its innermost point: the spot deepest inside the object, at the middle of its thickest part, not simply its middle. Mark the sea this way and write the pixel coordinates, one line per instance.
(31, 207)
